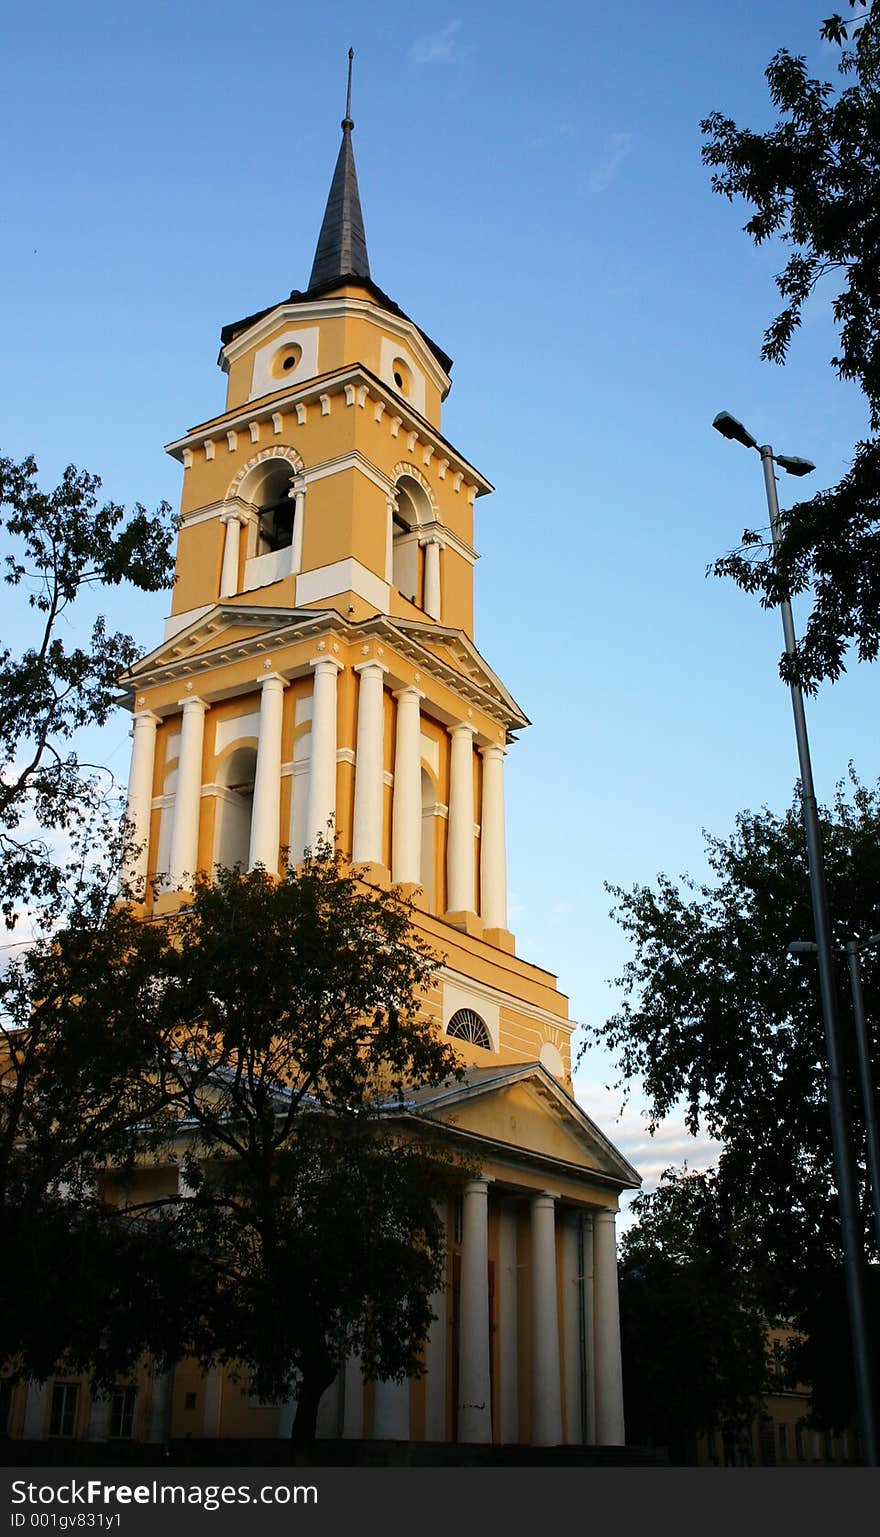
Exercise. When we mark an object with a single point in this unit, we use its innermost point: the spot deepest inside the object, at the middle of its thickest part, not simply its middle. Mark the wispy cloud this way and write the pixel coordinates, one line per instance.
(436, 47)
(670, 1146)
(604, 169)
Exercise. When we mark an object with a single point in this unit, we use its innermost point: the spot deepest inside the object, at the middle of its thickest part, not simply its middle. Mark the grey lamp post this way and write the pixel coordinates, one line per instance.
(852, 950)
(851, 1229)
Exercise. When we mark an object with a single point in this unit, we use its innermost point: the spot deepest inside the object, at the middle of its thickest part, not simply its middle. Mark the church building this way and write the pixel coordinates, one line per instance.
(318, 672)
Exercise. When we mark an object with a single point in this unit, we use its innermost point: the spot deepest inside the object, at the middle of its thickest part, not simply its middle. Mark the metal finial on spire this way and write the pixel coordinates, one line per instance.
(347, 122)
(342, 244)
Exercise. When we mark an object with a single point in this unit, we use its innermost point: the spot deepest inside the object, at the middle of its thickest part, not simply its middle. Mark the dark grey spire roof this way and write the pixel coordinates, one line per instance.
(342, 244)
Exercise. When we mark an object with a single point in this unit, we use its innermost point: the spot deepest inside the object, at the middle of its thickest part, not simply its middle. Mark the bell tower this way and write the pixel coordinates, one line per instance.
(318, 672)
(318, 676)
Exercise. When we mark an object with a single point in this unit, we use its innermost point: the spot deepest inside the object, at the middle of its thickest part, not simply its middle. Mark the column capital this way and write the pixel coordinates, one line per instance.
(476, 1187)
(430, 539)
(604, 1214)
(232, 515)
(297, 484)
(372, 665)
(192, 703)
(461, 726)
(326, 661)
(146, 717)
(408, 689)
(265, 678)
(543, 1198)
(493, 750)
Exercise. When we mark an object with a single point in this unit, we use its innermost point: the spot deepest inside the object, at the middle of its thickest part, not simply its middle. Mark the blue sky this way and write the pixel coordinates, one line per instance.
(533, 198)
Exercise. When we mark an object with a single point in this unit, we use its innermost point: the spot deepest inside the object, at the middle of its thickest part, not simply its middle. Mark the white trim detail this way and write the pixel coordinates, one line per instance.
(325, 404)
(494, 996)
(177, 622)
(276, 452)
(353, 461)
(302, 413)
(342, 576)
(264, 382)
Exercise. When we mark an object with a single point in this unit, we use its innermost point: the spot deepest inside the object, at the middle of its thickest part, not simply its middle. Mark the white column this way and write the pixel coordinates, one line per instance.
(213, 1403)
(369, 786)
(321, 800)
(159, 1416)
(508, 1354)
(546, 1409)
(140, 799)
(35, 1411)
(266, 817)
(298, 487)
(391, 1411)
(353, 1399)
(572, 1314)
(99, 1418)
(406, 814)
(286, 1417)
(435, 1353)
(474, 1388)
(432, 577)
(460, 827)
(609, 1384)
(229, 573)
(493, 856)
(391, 509)
(588, 1301)
(327, 1421)
(187, 801)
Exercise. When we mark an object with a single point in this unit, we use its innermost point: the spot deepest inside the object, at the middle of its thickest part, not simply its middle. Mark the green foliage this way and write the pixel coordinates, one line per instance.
(693, 1329)
(715, 1015)
(814, 183)
(60, 544)
(295, 1034)
(269, 1036)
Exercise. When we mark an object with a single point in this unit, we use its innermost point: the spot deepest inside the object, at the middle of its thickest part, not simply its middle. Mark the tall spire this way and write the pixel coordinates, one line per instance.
(342, 245)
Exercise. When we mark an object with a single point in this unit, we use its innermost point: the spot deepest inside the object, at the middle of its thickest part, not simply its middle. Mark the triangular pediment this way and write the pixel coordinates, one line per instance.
(524, 1109)
(455, 650)
(225, 627)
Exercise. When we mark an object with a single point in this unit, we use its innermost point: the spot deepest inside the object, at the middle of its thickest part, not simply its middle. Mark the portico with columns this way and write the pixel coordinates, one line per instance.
(318, 678)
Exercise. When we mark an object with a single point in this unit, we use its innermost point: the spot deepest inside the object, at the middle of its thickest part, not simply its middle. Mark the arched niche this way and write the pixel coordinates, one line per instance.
(413, 511)
(235, 805)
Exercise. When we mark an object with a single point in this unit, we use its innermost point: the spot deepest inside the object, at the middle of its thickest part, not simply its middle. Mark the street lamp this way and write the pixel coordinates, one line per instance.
(851, 1228)
(852, 950)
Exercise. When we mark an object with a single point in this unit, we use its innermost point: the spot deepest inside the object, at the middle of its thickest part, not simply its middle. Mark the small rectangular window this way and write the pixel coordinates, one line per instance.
(65, 1401)
(783, 1440)
(122, 1406)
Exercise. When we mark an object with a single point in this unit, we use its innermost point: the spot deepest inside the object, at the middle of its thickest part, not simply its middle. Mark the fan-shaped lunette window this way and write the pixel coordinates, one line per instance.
(466, 1025)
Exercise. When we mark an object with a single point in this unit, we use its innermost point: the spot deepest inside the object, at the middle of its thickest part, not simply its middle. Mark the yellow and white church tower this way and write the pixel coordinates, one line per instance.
(319, 670)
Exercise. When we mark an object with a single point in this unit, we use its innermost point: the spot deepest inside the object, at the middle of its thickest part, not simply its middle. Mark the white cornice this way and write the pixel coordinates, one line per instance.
(175, 659)
(506, 1000)
(328, 309)
(272, 406)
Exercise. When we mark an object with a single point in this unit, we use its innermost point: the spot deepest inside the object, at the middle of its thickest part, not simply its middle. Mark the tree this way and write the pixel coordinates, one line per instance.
(80, 1094)
(294, 1041)
(714, 1014)
(693, 1328)
(814, 182)
(62, 544)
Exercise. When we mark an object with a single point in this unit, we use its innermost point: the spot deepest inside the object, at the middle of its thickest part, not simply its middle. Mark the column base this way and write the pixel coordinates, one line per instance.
(170, 902)
(469, 923)
(502, 939)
